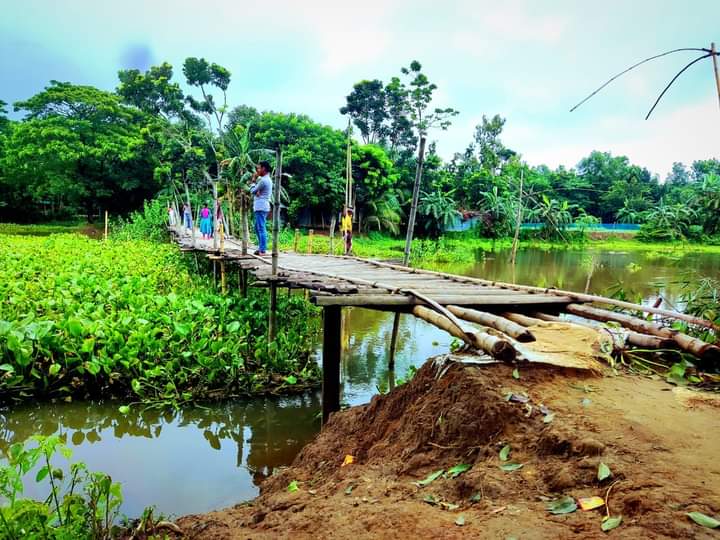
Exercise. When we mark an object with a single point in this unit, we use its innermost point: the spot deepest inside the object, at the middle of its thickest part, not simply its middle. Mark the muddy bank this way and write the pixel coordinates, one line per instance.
(660, 446)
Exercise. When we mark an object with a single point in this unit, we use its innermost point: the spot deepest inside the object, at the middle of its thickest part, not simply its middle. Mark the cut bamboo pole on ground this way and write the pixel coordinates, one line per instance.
(493, 345)
(502, 324)
(635, 339)
(687, 343)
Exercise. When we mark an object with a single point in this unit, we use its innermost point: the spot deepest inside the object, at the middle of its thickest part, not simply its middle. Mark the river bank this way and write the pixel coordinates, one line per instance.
(659, 447)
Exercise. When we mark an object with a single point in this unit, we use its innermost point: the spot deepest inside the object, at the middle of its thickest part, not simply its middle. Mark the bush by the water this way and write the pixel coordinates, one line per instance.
(83, 318)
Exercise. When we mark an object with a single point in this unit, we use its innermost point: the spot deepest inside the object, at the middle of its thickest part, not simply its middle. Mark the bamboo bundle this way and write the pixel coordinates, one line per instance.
(635, 339)
(502, 324)
(520, 319)
(687, 343)
(496, 347)
(578, 297)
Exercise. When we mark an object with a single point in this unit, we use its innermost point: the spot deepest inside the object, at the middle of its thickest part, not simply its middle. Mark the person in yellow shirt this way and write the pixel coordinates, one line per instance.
(346, 229)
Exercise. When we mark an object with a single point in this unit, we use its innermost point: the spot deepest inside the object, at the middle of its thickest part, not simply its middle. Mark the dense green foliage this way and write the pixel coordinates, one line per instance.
(81, 505)
(79, 150)
(82, 318)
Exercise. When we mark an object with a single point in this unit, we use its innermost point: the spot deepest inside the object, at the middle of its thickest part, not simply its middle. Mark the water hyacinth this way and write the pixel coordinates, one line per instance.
(81, 318)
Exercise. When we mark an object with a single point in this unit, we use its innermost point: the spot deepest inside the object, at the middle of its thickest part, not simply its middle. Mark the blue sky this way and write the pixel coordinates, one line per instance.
(528, 61)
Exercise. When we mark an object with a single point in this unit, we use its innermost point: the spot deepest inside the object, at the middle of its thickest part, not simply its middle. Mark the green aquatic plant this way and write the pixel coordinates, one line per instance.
(81, 318)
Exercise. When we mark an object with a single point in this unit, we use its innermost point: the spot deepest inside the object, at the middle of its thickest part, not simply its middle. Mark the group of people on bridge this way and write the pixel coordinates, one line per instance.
(261, 188)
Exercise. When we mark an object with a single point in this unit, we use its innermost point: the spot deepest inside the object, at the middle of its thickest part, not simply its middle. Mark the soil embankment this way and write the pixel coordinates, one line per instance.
(660, 445)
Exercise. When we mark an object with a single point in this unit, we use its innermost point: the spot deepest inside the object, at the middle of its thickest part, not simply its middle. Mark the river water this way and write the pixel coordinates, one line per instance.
(203, 458)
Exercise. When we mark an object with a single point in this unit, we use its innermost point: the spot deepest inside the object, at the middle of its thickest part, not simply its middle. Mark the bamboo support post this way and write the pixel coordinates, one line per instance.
(296, 239)
(223, 284)
(695, 346)
(715, 69)
(244, 282)
(502, 324)
(393, 341)
(214, 273)
(496, 347)
(272, 321)
(106, 225)
(332, 342)
(332, 234)
(272, 324)
(311, 233)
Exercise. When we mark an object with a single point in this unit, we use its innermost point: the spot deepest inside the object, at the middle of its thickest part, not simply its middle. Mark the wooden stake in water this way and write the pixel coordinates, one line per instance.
(106, 224)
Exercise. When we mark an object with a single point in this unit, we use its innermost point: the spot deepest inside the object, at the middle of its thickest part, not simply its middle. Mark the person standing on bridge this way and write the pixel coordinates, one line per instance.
(346, 229)
(261, 190)
(206, 223)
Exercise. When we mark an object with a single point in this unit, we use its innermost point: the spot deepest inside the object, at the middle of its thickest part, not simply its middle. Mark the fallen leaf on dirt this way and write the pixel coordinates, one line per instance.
(505, 453)
(430, 499)
(604, 472)
(509, 467)
(705, 521)
(431, 478)
(312, 491)
(460, 521)
(348, 460)
(349, 489)
(549, 418)
(591, 503)
(477, 497)
(517, 398)
(457, 470)
(292, 486)
(516, 374)
(610, 523)
(565, 505)
(449, 506)
(586, 402)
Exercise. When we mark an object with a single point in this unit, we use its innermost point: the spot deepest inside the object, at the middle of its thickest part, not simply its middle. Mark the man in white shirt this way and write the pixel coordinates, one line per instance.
(261, 190)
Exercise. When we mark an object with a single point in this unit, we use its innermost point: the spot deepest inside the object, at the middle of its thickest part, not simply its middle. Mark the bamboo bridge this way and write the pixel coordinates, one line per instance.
(501, 313)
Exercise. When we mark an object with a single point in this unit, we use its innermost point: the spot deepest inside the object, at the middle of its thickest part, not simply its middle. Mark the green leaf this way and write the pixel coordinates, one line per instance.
(431, 478)
(516, 374)
(42, 473)
(565, 505)
(705, 521)
(611, 523)
(457, 470)
(430, 499)
(505, 453)
(291, 379)
(549, 417)
(509, 467)
(292, 486)
(54, 369)
(349, 489)
(460, 521)
(604, 472)
(7, 367)
(233, 327)
(124, 409)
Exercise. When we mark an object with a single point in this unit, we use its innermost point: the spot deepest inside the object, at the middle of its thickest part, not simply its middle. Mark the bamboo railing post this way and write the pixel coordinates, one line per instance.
(215, 215)
(296, 239)
(311, 233)
(272, 324)
(516, 237)
(414, 204)
(245, 229)
(333, 221)
(715, 69)
(106, 224)
(222, 237)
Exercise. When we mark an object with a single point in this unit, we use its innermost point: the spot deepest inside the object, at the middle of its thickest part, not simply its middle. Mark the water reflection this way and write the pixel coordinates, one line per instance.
(185, 461)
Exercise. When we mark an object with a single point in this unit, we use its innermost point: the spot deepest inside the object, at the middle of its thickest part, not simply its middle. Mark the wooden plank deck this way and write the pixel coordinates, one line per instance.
(349, 281)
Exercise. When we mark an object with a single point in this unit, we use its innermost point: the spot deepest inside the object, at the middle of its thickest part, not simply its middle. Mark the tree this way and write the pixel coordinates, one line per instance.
(366, 107)
(678, 176)
(491, 152)
(79, 148)
(438, 211)
(419, 96)
(152, 92)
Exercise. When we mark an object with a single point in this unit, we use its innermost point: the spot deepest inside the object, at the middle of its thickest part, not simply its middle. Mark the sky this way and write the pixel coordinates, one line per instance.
(528, 61)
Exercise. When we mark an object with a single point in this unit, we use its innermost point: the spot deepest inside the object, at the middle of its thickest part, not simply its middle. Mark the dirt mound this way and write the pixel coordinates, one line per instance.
(559, 425)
